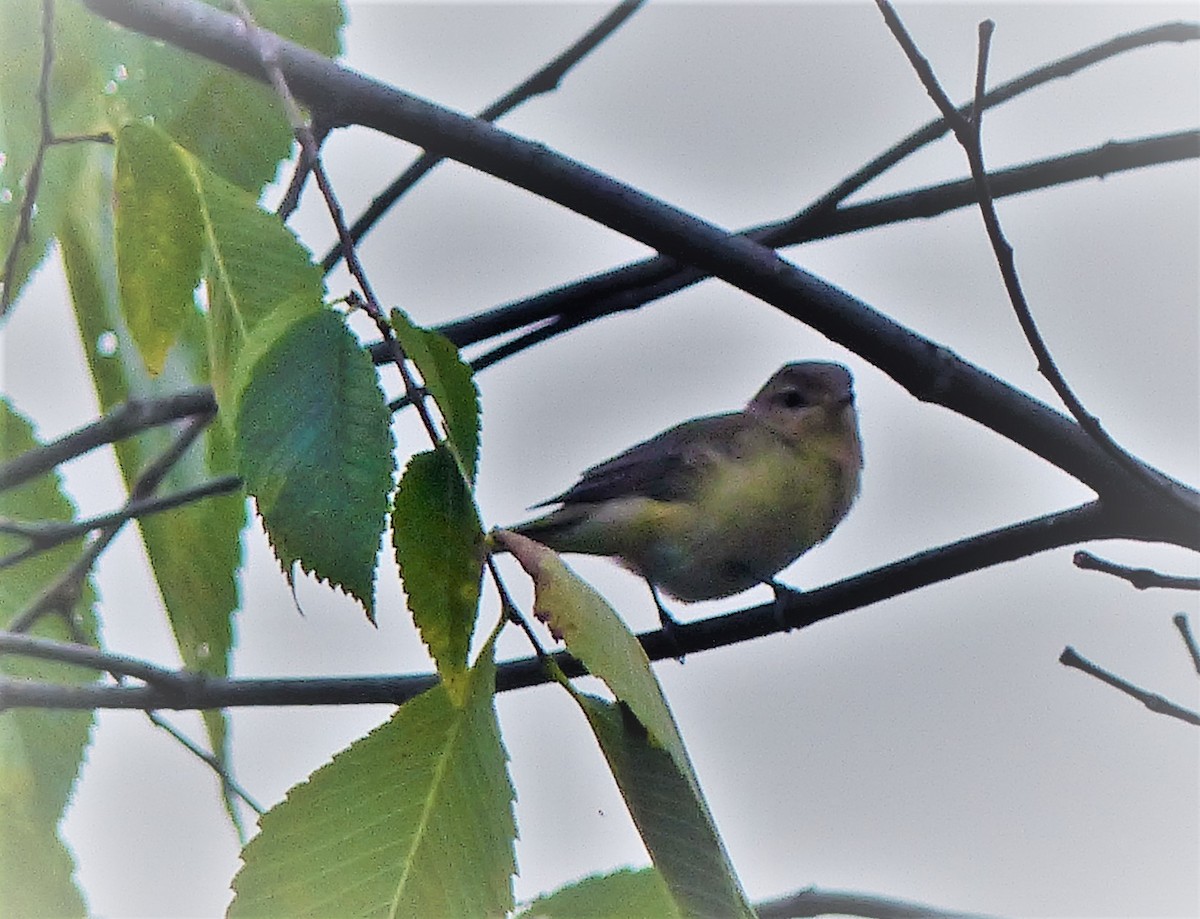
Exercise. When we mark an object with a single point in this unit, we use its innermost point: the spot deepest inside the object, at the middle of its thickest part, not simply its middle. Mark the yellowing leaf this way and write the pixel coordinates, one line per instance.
(638, 736)
(158, 240)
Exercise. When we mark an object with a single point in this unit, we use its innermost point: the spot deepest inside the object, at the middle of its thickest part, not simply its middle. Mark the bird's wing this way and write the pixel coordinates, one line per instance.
(664, 467)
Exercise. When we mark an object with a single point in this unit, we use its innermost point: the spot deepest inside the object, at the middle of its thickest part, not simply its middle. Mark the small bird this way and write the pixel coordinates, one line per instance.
(716, 505)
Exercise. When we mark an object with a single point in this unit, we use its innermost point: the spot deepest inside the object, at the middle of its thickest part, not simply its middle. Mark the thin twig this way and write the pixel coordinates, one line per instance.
(63, 593)
(1189, 640)
(511, 611)
(1152, 701)
(969, 137)
(291, 197)
(81, 655)
(45, 535)
(228, 783)
(814, 901)
(1141, 578)
(128, 418)
(34, 178)
(545, 80)
(636, 284)
(986, 29)
(122, 667)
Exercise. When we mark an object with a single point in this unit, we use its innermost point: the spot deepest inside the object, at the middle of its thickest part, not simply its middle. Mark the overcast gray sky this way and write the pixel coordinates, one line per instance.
(929, 747)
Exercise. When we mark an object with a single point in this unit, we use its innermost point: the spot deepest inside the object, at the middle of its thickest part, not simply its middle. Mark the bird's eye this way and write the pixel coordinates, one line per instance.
(792, 398)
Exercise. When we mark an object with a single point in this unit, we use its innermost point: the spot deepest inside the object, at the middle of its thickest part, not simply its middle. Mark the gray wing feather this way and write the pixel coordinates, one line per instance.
(663, 468)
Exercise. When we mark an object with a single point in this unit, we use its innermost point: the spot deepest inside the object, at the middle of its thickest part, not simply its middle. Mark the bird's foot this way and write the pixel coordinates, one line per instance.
(783, 594)
(669, 625)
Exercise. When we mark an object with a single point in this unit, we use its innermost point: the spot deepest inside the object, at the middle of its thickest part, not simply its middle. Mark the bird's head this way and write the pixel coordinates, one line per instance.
(805, 397)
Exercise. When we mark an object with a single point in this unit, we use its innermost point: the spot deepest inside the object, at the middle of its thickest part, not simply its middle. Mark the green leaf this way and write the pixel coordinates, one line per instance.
(158, 238)
(253, 265)
(415, 819)
(174, 216)
(235, 124)
(439, 548)
(194, 551)
(643, 740)
(36, 868)
(104, 78)
(671, 817)
(314, 446)
(623, 894)
(448, 379)
(40, 751)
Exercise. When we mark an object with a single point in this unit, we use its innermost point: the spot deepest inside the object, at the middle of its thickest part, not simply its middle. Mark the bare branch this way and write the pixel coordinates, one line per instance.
(63, 593)
(121, 666)
(813, 901)
(228, 783)
(967, 132)
(1174, 32)
(545, 80)
(87, 656)
(1089, 521)
(1152, 701)
(45, 535)
(1141, 578)
(125, 420)
(827, 217)
(291, 196)
(635, 284)
(33, 179)
(1189, 640)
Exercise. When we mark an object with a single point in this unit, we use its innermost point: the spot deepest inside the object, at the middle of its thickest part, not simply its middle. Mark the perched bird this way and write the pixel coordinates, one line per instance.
(716, 505)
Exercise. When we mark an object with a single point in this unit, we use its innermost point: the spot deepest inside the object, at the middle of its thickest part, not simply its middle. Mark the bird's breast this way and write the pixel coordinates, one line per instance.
(749, 519)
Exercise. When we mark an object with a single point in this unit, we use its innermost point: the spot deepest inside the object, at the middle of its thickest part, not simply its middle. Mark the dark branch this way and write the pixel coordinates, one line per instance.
(1089, 521)
(33, 179)
(89, 657)
(125, 420)
(544, 81)
(1167, 32)
(1141, 578)
(63, 593)
(1152, 701)
(816, 902)
(46, 535)
(967, 132)
(633, 285)
(1189, 640)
